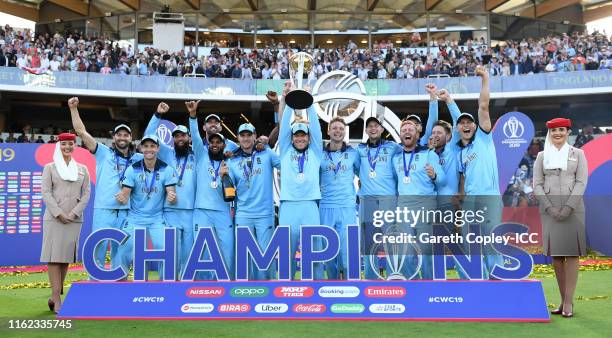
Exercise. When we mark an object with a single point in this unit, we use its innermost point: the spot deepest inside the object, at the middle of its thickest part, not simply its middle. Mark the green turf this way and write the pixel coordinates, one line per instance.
(592, 318)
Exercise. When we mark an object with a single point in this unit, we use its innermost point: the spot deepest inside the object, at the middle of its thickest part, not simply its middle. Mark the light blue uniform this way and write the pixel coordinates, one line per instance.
(375, 193)
(146, 205)
(338, 199)
(478, 163)
(111, 166)
(252, 174)
(299, 195)
(431, 120)
(210, 208)
(417, 191)
(179, 215)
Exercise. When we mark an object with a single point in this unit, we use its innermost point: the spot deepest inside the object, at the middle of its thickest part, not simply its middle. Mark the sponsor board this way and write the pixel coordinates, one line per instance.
(206, 292)
(347, 308)
(309, 308)
(339, 291)
(197, 308)
(271, 308)
(385, 291)
(387, 308)
(249, 291)
(293, 291)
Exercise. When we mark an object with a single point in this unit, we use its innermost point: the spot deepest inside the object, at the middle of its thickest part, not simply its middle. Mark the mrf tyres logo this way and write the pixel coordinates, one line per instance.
(293, 291)
(249, 292)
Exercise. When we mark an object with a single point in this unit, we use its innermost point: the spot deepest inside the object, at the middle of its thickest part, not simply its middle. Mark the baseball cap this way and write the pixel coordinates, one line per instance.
(299, 127)
(122, 126)
(246, 127)
(212, 116)
(468, 115)
(216, 135)
(150, 138)
(372, 118)
(180, 129)
(414, 118)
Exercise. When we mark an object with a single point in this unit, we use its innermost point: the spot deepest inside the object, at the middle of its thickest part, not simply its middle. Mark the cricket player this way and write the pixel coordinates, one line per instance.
(111, 166)
(210, 208)
(339, 166)
(148, 184)
(212, 125)
(378, 186)
(478, 166)
(182, 158)
(252, 172)
(418, 174)
(430, 88)
(301, 152)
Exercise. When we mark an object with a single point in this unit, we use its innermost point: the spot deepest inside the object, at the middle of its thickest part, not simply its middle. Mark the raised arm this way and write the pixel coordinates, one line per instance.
(484, 119)
(445, 96)
(284, 129)
(432, 117)
(88, 141)
(316, 137)
(196, 139)
(164, 150)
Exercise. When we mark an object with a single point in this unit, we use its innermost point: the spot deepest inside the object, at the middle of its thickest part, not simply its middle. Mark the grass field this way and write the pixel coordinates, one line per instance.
(592, 317)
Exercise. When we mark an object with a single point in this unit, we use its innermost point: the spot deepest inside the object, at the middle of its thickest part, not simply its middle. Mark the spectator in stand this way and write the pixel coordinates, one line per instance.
(585, 136)
(40, 139)
(52, 139)
(11, 138)
(23, 138)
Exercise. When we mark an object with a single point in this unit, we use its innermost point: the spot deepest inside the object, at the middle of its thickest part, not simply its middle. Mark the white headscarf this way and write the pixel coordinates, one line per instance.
(68, 172)
(555, 158)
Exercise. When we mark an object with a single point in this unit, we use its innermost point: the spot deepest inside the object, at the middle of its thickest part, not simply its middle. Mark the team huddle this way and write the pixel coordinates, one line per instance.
(446, 165)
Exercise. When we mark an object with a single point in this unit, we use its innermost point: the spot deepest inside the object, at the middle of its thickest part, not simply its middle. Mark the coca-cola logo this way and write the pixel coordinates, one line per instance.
(234, 308)
(309, 308)
(293, 291)
(205, 292)
(385, 291)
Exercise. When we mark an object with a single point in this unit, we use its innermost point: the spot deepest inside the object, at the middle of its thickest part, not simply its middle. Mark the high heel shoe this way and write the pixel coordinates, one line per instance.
(568, 314)
(51, 305)
(558, 310)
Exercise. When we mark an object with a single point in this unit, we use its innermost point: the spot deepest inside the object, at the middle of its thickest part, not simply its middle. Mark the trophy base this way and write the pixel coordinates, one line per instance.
(299, 99)
(396, 276)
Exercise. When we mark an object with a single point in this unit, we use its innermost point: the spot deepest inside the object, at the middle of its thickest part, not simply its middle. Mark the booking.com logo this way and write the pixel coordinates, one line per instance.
(249, 292)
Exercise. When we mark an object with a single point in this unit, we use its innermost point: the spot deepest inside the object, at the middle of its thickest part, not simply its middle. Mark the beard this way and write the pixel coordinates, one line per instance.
(181, 151)
(218, 156)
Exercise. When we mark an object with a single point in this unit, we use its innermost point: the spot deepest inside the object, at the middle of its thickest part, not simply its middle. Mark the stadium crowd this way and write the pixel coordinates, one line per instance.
(72, 51)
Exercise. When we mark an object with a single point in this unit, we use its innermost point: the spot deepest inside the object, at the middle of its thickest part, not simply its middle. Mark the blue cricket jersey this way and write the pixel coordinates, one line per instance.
(186, 186)
(111, 167)
(338, 170)
(412, 178)
(293, 187)
(252, 175)
(381, 156)
(448, 156)
(431, 119)
(478, 163)
(207, 196)
(148, 192)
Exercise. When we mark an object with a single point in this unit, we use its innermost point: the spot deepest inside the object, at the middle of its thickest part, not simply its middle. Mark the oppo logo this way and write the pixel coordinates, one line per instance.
(385, 291)
(309, 308)
(339, 291)
(197, 308)
(271, 308)
(387, 308)
(234, 308)
(249, 292)
(205, 292)
(293, 291)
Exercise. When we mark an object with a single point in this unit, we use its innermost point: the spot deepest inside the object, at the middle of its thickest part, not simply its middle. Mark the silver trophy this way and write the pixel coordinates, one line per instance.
(299, 64)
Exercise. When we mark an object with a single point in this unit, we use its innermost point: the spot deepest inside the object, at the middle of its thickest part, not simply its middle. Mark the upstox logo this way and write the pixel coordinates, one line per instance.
(347, 308)
(249, 292)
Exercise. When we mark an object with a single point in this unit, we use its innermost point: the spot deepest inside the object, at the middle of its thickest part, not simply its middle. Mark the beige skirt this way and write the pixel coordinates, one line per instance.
(60, 242)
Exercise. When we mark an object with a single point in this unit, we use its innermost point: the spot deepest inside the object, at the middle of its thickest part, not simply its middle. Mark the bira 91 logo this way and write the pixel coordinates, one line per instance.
(293, 291)
(271, 308)
(205, 292)
(385, 291)
(249, 292)
(309, 308)
(234, 308)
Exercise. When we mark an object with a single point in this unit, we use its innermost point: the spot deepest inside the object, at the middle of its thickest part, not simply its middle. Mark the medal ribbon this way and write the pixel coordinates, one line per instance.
(150, 188)
(127, 162)
(249, 173)
(337, 165)
(463, 165)
(301, 159)
(180, 178)
(212, 164)
(373, 163)
(407, 168)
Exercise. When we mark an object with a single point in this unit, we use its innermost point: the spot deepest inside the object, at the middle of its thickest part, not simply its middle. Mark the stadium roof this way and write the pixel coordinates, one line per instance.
(33, 9)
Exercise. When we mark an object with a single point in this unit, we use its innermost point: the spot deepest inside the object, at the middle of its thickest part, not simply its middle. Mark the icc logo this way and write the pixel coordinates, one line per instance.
(164, 134)
(513, 128)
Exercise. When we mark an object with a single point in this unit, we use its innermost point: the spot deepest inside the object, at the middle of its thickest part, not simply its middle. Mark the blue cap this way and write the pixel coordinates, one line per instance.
(212, 116)
(122, 126)
(468, 115)
(150, 138)
(414, 118)
(299, 127)
(181, 129)
(246, 127)
(210, 137)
